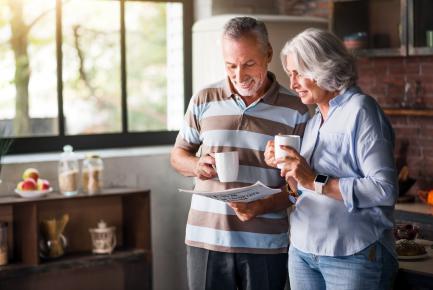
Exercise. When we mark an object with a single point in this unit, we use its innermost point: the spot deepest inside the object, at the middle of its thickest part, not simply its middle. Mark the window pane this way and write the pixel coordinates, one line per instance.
(28, 78)
(91, 66)
(154, 52)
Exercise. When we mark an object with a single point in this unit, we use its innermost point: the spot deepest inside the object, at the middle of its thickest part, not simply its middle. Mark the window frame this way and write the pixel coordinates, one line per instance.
(123, 139)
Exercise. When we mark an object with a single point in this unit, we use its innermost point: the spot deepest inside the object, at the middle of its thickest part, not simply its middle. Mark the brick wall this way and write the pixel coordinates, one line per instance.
(386, 79)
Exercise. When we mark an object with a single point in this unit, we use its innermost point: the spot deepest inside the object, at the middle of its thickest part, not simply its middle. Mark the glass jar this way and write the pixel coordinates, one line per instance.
(68, 172)
(53, 247)
(3, 243)
(92, 170)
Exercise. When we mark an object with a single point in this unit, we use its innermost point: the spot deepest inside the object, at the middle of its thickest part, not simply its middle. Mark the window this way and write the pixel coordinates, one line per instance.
(92, 73)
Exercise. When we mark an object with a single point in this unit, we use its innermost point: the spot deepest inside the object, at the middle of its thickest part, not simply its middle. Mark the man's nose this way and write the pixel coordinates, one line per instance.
(240, 75)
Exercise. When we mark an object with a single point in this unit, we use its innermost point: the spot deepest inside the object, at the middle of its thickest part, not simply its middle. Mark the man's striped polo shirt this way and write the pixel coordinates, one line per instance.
(216, 121)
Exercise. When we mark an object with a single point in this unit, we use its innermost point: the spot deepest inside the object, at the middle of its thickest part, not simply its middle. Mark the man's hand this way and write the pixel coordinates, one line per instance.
(204, 168)
(246, 211)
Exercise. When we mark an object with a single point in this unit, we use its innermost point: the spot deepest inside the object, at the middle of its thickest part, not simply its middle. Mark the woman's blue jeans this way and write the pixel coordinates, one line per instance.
(370, 269)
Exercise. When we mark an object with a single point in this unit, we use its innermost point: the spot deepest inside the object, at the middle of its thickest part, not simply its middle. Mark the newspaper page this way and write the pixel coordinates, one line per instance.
(242, 194)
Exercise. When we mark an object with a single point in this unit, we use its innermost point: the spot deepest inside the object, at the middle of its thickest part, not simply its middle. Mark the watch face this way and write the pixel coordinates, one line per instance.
(321, 178)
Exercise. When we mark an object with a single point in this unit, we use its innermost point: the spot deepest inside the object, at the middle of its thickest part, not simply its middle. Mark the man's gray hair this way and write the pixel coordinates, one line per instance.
(239, 27)
(321, 56)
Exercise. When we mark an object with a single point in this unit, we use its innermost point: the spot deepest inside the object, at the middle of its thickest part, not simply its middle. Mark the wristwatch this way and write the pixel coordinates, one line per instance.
(319, 183)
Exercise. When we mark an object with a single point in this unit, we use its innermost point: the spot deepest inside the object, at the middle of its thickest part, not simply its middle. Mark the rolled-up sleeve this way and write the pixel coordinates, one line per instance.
(374, 153)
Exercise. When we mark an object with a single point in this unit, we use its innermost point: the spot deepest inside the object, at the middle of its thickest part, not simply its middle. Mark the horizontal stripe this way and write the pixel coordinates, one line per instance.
(252, 174)
(182, 143)
(189, 134)
(246, 156)
(190, 120)
(245, 123)
(283, 115)
(233, 223)
(221, 108)
(288, 99)
(236, 250)
(202, 203)
(236, 239)
(239, 139)
(212, 93)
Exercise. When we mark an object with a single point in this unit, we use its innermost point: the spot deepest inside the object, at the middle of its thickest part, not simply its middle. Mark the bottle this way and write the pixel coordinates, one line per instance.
(92, 170)
(68, 172)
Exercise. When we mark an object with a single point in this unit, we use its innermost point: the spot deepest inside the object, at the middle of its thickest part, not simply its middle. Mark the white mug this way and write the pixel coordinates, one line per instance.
(289, 140)
(227, 166)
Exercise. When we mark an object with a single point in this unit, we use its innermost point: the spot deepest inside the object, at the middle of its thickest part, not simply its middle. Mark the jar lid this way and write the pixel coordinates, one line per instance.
(92, 156)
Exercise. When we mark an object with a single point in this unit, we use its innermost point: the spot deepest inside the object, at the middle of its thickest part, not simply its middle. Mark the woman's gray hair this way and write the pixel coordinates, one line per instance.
(321, 56)
(239, 27)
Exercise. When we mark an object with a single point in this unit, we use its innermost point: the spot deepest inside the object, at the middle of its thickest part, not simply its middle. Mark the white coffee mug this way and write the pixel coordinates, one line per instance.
(289, 140)
(227, 166)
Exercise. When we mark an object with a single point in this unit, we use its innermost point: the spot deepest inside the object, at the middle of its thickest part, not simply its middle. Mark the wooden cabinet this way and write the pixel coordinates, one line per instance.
(392, 27)
(128, 267)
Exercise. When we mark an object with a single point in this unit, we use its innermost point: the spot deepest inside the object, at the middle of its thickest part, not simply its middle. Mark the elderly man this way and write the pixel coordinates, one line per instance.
(238, 246)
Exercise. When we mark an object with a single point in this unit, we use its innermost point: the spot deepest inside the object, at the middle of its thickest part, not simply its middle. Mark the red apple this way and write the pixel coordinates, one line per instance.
(31, 173)
(29, 184)
(43, 184)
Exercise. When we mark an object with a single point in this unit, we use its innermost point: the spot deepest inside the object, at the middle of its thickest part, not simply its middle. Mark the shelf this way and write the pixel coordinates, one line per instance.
(409, 112)
(73, 261)
(128, 267)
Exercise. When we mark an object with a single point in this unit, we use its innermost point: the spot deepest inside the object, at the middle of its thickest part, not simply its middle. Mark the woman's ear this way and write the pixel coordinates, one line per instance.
(270, 53)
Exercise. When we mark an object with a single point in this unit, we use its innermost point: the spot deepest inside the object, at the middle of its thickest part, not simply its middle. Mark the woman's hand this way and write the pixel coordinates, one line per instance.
(270, 154)
(296, 167)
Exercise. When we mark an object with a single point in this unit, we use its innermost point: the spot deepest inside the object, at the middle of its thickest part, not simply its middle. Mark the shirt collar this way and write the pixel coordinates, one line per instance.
(343, 97)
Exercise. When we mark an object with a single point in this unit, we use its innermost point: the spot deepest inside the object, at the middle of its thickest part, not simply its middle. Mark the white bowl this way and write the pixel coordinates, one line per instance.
(33, 193)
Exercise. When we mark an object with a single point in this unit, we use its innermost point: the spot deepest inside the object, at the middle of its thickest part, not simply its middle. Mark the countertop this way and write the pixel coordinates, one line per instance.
(415, 207)
(422, 266)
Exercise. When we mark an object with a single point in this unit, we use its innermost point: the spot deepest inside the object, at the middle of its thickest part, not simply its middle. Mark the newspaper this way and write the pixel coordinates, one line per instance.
(242, 194)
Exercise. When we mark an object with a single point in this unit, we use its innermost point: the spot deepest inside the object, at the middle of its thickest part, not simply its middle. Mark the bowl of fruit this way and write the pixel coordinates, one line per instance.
(32, 186)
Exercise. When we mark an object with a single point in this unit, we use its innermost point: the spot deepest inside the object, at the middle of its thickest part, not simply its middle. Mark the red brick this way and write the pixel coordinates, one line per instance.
(427, 68)
(407, 132)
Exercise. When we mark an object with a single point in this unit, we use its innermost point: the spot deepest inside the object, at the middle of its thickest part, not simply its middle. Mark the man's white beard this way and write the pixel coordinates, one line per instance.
(248, 92)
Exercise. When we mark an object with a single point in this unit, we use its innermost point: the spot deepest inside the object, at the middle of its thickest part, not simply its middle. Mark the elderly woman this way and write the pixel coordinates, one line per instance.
(341, 227)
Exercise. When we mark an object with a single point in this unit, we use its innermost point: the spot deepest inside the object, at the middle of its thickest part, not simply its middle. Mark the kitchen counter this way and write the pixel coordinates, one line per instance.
(416, 274)
(424, 266)
(415, 207)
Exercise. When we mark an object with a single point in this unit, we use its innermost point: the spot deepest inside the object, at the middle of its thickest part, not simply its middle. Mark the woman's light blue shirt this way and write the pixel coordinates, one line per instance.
(355, 144)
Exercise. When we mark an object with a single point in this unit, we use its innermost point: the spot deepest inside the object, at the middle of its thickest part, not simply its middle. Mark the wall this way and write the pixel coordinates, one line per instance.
(385, 79)
(169, 209)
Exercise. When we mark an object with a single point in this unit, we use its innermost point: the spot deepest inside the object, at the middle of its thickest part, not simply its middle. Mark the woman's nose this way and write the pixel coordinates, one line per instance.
(293, 82)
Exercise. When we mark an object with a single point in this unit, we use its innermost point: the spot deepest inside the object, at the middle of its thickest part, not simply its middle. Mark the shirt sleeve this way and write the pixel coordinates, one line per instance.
(374, 153)
(189, 133)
